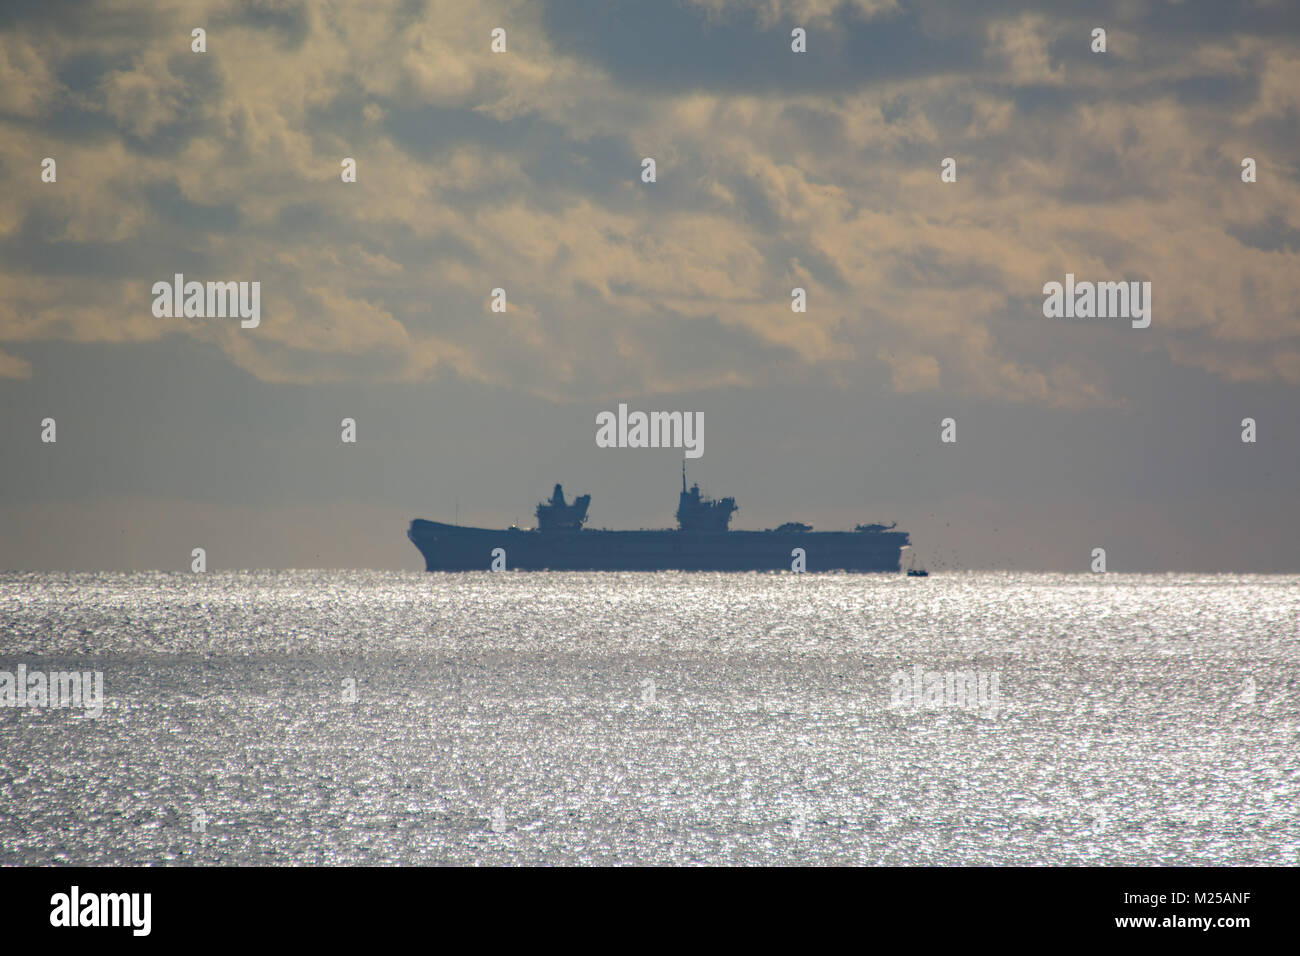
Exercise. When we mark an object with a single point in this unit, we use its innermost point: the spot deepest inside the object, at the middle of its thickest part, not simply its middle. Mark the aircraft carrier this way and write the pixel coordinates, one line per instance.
(701, 542)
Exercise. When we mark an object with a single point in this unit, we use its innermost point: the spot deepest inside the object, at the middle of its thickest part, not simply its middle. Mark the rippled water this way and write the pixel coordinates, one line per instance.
(666, 718)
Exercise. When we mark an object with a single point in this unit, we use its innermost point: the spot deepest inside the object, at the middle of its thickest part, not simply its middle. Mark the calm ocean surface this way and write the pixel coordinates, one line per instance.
(654, 718)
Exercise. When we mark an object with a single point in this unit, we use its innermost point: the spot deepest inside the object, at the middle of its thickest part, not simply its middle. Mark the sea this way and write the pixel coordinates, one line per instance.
(347, 717)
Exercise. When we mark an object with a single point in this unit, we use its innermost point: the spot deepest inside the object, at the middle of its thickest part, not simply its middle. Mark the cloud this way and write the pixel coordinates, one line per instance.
(13, 367)
(795, 12)
(25, 77)
(522, 171)
(1021, 46)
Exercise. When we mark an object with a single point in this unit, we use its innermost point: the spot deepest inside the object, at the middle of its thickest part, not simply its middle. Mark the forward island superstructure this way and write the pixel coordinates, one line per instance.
(702, 541)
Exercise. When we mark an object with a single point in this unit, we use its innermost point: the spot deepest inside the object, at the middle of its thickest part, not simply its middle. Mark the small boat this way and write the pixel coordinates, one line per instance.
(912, 570)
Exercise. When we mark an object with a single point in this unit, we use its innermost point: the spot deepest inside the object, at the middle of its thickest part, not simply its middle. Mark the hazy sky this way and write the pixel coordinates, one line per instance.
(522, 170)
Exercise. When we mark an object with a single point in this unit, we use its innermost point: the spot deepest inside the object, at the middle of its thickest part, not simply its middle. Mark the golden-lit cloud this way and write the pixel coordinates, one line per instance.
(522, 170)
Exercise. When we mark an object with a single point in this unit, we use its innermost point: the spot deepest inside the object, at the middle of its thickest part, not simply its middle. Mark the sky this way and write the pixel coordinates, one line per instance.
(523, 170)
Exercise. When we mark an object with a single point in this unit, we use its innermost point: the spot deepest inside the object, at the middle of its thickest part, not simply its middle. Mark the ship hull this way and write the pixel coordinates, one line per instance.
(448, 547)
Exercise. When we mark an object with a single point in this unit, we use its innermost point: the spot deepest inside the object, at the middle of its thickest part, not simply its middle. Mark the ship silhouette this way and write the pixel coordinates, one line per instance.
(702, 541)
